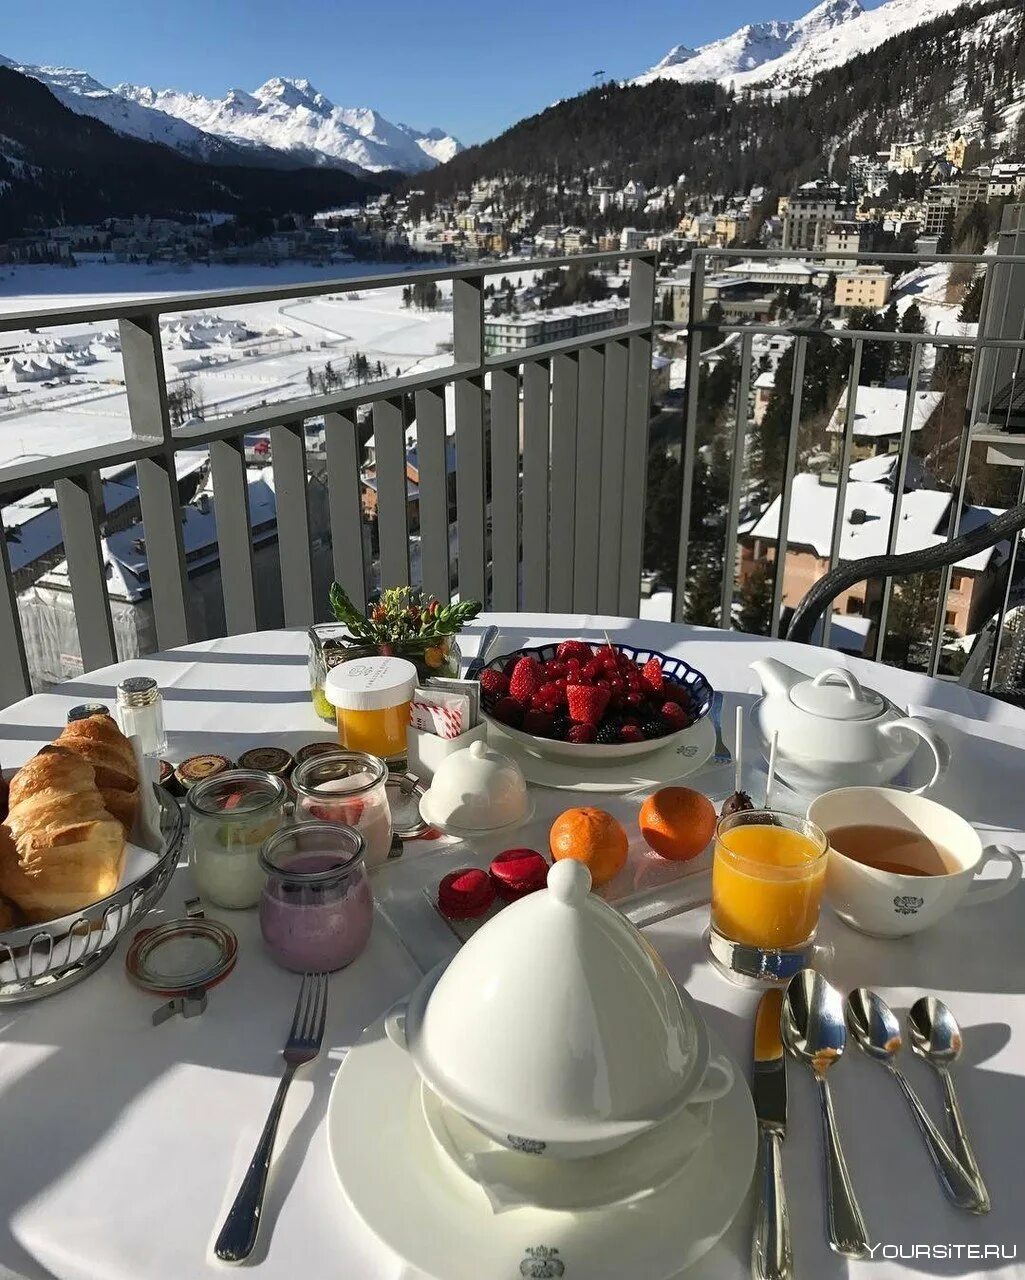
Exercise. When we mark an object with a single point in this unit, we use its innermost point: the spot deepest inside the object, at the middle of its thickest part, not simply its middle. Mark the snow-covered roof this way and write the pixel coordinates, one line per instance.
(765, 381)
(923, 511)
(786, 267)
(879, 411)
(882, 469)
(35, 527)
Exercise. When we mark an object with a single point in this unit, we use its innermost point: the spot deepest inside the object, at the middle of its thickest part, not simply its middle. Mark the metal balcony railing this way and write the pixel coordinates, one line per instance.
(563, 527)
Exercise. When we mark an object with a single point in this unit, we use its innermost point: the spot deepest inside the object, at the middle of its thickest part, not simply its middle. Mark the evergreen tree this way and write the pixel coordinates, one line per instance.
(755, 613)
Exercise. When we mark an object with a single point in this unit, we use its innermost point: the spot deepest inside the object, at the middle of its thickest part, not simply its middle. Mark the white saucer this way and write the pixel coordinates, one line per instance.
(514, 1180)
(414, 1200)
(683, 756)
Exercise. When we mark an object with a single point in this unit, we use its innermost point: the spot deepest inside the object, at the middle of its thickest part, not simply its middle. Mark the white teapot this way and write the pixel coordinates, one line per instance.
(834, 732)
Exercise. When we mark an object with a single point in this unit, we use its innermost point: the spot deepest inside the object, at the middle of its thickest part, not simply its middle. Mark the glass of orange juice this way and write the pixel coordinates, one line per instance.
(768, 873)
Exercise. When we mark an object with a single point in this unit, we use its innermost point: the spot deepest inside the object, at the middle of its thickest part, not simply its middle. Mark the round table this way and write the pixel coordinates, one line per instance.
(123, 1143)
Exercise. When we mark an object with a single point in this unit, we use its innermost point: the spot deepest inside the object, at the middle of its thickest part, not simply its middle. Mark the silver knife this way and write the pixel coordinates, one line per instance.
(476, 663)
(771, 1253)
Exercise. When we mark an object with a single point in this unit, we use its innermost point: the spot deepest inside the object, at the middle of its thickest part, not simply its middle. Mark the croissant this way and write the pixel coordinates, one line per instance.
(60, 848)
(98, 740)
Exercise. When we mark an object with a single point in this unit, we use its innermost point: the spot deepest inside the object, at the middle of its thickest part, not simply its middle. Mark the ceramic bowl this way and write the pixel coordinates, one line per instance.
(599, 752)
(578, 1041)
(476, 789)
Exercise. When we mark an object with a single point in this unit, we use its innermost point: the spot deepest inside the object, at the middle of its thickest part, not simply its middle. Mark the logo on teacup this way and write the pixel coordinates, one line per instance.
(532, 1146)
(907, 904)
(542, 1263)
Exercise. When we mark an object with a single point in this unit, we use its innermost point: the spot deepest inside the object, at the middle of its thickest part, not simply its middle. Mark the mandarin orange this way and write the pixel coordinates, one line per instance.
(677, 822)
(593, 837)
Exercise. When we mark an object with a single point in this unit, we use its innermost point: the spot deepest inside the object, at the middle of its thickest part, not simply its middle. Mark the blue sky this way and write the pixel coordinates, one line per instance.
(469, 66)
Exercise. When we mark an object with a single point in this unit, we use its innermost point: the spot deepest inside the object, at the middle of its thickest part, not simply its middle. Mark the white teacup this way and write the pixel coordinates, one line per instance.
(888, 905)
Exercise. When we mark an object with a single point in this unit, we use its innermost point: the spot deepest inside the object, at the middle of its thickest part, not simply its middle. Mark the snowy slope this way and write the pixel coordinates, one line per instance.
(292, 116)
(785, 55)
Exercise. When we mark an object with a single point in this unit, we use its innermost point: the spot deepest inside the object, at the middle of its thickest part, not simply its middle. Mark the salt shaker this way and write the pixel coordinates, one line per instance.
(140, 713)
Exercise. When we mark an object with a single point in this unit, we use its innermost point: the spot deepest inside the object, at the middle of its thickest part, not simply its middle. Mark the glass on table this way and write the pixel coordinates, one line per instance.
(768, 876)
(350, 788)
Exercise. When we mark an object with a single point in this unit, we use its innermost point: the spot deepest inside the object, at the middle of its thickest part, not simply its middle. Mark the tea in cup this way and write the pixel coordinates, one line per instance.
(898, 862)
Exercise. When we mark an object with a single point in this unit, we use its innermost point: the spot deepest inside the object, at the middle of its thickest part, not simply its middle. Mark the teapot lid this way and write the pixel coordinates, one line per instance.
(835, 694)
(557, 1014)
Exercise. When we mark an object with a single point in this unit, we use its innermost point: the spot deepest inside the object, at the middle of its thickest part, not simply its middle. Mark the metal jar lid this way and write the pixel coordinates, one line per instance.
(179, 956)
(86, 709)
(137, 691)
(268, 760)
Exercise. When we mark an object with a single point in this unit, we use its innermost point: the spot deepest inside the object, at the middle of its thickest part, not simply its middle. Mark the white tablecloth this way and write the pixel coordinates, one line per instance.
(122, 1145)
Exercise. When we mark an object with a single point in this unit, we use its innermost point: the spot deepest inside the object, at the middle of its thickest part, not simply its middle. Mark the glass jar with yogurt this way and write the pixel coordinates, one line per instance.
(351, 788)
(230, 817)
(316, 909)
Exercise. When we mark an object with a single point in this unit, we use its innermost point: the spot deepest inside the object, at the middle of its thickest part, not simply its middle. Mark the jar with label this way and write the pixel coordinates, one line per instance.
(350, 788)
(317, 909)
(230, 817)
(371, 698)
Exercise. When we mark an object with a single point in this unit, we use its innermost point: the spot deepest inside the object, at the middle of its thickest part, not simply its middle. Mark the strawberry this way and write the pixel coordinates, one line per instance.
(674, 716)
(591, 669)
(573, 649)
(587, 703)
(651, 673)
(538, 722)
(553, 669)
(526, 678)
(508, 711)
(493, 684)
(631, 733)
(582, 733)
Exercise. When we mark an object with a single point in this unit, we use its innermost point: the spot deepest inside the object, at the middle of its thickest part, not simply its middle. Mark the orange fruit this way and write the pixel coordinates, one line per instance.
(590, 836)
(677, 822)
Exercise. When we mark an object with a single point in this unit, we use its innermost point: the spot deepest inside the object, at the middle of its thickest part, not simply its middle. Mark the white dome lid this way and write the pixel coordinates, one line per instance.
(477, 788)
(558, 1020)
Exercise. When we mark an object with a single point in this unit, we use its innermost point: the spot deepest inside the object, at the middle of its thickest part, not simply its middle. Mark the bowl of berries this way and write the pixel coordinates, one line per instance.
(593, 703)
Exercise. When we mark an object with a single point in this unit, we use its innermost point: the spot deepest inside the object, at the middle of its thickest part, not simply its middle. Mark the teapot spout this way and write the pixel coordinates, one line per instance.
(776, 678)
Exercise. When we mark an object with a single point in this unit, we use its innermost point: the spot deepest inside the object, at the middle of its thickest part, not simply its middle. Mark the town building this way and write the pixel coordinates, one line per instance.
(810, 212)
(939, 209)
(864, 286)
(506, 333)
(843, 238)
(879, 418)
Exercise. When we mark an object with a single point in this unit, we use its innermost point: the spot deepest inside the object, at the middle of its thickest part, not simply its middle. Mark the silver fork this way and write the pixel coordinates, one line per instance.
(722, 751)
(238, 1235)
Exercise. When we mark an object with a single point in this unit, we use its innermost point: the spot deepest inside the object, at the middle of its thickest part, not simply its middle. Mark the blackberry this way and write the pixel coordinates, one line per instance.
(654, 727)
(560, 727)
(609, 732)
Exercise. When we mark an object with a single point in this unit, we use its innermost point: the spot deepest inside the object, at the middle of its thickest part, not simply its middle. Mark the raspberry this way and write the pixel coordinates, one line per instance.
(582, 733)
(651, 673)
(630, 733)
(632, 699)
(654, 728)
(608, 733)
(587, 703)
(493, 684)
(573, 649)
(526, 678)
(508, 711)
(592, 669)
(538, 722)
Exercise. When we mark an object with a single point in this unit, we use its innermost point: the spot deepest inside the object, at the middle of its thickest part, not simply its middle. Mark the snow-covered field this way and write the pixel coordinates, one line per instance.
(69, 391)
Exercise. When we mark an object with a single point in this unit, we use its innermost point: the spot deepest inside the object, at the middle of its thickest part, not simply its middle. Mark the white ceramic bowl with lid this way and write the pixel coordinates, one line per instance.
(476, 789)
(557, 1030)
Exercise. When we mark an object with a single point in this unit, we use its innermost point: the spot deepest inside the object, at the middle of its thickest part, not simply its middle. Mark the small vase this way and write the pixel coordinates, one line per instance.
(330, 645)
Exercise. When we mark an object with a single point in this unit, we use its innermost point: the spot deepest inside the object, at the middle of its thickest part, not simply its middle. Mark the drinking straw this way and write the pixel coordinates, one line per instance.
(772, 770)
(738, 761)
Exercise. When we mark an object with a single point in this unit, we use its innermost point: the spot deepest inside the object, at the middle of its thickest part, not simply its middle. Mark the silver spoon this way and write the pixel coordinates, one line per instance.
(813, 1030)
(876, 1029)
(936, 1037)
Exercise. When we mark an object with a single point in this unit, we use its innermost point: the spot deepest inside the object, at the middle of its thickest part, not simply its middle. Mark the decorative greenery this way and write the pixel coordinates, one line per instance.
(403, 616)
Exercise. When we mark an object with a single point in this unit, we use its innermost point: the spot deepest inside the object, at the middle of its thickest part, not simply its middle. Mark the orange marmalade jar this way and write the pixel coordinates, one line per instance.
(371, 698)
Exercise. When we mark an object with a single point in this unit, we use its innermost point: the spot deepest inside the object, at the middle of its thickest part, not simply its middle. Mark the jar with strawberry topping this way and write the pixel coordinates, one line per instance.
(347, 787)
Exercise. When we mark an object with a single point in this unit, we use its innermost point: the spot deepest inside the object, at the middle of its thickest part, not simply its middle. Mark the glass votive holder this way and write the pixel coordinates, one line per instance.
(768, 876)
(230, 816)
(317, 908)
(350, 788)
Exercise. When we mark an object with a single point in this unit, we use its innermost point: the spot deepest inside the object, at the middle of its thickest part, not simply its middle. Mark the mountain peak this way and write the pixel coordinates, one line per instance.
(785, 54)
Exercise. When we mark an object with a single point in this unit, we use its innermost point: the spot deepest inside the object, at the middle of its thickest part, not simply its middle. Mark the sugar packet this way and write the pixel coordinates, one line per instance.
(436, 711)
(470, 688)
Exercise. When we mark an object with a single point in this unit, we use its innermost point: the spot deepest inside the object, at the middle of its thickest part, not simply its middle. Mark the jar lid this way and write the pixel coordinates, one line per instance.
(338, 772)
(236, 793)
(312, 749)
(267, 760)
(404, 796)
(180, 955)
(312, 853)
(86, 709)
(198, 768)
(137, 691)
(370, 684)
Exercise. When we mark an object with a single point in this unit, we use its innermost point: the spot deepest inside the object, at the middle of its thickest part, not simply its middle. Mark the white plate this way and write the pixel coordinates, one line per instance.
(410, 1196)
(678, 757)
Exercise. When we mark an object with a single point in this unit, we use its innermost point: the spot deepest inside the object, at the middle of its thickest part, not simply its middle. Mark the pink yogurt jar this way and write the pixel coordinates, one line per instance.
(317, 909)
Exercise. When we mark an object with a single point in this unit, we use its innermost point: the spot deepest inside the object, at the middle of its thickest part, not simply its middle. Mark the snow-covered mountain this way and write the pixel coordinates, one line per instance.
(785, 55)
(285, 118)
(293, 117)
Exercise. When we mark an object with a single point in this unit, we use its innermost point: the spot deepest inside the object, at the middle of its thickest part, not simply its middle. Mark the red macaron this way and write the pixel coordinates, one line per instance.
(466, 894)
(517, 872)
